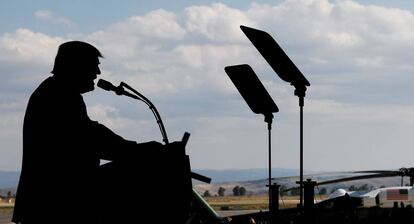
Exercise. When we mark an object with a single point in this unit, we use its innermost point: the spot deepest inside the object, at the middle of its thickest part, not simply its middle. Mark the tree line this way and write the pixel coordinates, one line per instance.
(237, 191)
(240, 190)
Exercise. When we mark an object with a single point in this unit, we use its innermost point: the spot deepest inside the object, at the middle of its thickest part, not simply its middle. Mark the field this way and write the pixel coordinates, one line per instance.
(6, 207)
(251, 202)
(225, 203)
(6, 211)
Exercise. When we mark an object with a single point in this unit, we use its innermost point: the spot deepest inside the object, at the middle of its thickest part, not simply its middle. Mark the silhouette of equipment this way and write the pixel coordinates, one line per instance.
(367, 174)
(287, 71)
(403, 172)
(259, 101)
(161, 185)
(252, 90)
(276, 57)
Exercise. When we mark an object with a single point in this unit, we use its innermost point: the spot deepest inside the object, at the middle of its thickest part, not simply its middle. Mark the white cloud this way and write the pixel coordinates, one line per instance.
(217, 22)
(339, 33)
(109, 116)
(43, 14)
(165, 65)
(26, 57)
(169, 55)
(222, 142)
(28, 47)
(157, 26)
(329, 112)
(49, 16)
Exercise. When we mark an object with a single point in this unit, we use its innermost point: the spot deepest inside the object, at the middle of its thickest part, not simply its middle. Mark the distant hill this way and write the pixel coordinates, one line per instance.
(9, 179)
(258, 186)
(236, 175)
(254, 180)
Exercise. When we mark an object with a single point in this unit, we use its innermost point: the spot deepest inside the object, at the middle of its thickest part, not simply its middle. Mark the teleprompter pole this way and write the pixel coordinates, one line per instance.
(259, 101)
(268, 119)
(300, 92)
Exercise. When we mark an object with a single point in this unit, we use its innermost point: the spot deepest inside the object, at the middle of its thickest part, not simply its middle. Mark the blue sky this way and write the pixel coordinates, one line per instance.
(92, 15)
(356, 54)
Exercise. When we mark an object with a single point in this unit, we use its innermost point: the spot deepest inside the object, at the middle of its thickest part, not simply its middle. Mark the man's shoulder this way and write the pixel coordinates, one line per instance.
(52, 91)
(45, 85)
(51, 98)
(53, 87)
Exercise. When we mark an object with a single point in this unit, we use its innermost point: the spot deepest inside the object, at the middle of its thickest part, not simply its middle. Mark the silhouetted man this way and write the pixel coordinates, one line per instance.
(62, 147)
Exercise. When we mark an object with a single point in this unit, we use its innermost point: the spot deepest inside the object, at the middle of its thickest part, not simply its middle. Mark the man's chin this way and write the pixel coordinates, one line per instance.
(87, 89)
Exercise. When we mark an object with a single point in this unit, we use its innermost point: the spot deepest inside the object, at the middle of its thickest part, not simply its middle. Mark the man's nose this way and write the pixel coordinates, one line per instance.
(98, 71)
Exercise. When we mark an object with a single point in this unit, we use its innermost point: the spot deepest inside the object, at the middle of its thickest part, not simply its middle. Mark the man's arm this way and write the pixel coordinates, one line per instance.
(111, 146)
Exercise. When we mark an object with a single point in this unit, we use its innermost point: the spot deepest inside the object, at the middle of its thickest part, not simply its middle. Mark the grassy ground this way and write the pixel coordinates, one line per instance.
(251, 202)
(6, 212)
(6, 208)
(248, 202)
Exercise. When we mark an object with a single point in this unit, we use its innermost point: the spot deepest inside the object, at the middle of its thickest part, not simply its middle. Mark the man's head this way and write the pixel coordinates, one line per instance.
(77, 63)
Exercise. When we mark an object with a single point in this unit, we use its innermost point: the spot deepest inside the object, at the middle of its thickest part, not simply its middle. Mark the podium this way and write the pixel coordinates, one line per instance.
(157, 189)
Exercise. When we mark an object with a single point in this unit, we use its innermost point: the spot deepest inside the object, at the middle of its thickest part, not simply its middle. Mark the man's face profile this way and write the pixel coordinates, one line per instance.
(77, 63)
(87, 73)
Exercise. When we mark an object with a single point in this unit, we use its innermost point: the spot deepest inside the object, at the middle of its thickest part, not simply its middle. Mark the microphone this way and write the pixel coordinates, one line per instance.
(103, 84)
(119, 90)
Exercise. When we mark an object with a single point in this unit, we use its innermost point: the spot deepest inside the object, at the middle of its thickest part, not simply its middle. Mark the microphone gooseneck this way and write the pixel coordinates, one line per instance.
(119, 90)
(152, 108)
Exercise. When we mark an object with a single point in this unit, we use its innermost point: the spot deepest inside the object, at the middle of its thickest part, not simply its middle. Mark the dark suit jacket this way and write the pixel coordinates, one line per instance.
(61, 152)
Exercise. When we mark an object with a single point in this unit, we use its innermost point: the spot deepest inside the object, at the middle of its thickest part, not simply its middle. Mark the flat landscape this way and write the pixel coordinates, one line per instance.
(251, 202)
(255, 189)
(225, 205)
(6, 211)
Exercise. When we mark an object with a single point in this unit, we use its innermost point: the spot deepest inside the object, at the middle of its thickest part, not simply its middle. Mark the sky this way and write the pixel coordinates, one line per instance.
(357, 55)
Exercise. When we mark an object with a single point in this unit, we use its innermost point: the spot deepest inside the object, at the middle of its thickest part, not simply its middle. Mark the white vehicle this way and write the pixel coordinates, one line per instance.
(388, 197)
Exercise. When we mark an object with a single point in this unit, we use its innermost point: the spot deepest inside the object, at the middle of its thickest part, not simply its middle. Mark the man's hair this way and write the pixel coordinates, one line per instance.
(72, 55)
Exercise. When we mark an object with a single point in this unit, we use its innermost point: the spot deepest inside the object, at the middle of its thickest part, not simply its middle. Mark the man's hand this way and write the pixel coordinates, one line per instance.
(151, 145)
(175, 147)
